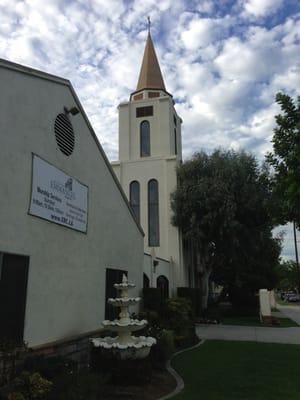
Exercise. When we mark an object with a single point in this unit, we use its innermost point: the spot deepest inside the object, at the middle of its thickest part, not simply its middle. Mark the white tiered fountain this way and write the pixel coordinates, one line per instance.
(125, 346)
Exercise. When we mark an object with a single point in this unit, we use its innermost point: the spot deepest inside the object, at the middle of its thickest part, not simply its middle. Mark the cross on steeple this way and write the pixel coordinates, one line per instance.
(149, 23)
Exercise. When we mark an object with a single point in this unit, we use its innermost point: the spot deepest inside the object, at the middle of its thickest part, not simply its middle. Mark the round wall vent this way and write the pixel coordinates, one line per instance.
(64, 134)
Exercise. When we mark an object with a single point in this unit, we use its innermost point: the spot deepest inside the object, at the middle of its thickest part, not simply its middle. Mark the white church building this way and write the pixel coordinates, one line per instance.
(67, 232)
(72, 223)
(149, 153)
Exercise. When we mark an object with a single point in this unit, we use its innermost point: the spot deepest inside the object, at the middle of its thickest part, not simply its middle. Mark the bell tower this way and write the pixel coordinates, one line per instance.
(149, 153)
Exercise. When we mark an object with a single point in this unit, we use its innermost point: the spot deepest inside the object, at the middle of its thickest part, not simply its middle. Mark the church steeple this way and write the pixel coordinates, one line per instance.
(150, 74)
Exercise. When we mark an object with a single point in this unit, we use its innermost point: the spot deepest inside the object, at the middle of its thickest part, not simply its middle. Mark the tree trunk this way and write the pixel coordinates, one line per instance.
(205, 287)
(296, 256)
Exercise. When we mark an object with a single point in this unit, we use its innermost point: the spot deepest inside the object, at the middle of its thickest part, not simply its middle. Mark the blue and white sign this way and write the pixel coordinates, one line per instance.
(58, 197)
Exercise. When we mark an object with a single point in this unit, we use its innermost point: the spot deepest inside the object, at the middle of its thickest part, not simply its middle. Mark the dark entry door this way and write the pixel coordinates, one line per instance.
(163, 284)
(112, 276)
(13, 287)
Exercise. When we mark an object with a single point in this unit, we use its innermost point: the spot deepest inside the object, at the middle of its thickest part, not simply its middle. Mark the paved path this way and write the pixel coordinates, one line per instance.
(290, 311)
(256, 334)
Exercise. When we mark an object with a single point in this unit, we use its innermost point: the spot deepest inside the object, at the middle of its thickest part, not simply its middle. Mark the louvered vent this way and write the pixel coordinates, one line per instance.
(64, 134)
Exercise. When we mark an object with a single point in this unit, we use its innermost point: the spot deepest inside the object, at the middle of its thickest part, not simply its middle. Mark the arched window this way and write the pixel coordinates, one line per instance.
(153, 214)
(145, 138)
(163, 284)
(134, 198)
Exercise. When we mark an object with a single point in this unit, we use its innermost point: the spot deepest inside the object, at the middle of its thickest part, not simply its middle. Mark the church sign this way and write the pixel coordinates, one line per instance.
(58, 197)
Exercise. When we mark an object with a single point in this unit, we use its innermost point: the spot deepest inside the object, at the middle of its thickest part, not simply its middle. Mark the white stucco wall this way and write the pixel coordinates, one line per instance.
(66, 283)
(163, 267)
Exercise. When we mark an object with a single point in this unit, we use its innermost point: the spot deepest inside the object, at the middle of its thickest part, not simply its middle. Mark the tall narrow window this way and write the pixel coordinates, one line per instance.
(153, 214)
(175, 141)
(134, 198)
(145, 138)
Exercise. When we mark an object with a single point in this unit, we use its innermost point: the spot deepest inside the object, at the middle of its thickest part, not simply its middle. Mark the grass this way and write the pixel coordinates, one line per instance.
(221, 370)
(245, 316)
(282, 302)
(254, 321)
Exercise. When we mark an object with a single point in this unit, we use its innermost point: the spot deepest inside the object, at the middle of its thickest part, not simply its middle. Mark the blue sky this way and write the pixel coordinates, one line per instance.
(222, 60)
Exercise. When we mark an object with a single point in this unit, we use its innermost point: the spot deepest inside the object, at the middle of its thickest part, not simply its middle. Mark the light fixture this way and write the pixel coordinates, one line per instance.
(155, 264)
(155, 261)
(73, 110)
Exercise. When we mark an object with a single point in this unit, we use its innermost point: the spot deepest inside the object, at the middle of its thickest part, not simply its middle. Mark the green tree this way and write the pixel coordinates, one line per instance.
(222, 206)
(288, 275)
(285, 160)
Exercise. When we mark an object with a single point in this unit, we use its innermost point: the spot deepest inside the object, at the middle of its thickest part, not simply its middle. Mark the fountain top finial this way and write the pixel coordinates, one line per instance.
(124, 279)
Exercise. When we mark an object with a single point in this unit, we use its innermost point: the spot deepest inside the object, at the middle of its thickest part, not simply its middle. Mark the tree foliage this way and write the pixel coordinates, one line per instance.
(288, 275)
(285, 158)
(223, 206)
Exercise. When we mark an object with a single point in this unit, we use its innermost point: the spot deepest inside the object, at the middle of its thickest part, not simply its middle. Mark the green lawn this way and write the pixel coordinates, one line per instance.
(254, 321)
(221, 370)
(282, 302)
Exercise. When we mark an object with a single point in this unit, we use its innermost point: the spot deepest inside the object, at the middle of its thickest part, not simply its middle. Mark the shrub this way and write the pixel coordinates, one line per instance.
(11, 356)
(32, 386)
(193, 295)
(15, 396)
(49, 367)
(82, 385)
(119, 371)
(243, 298)
(152, 317)
(178, 315)
(189, 339)
(163, 349)
(153, 299)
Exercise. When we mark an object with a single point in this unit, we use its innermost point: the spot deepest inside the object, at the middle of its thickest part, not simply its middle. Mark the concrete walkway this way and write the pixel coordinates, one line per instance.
(253, 333)
(290, 311)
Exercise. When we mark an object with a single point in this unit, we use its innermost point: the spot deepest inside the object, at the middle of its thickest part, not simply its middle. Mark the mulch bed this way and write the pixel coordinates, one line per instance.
(162, 383)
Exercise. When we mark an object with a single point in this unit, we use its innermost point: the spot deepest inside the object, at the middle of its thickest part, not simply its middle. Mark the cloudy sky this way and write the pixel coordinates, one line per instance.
(223, 60)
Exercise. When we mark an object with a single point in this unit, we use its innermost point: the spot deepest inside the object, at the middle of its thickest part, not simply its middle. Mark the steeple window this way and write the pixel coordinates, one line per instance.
(175, 141)
(145, 138)
(153, 94)
(153, 213)
(138, 96)
(144, 111)
(134, 198)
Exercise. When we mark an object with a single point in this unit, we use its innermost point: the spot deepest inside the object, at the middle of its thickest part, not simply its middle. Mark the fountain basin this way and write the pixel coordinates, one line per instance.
(124, 285)
(124, 301)
(139, 346)
(131, 326)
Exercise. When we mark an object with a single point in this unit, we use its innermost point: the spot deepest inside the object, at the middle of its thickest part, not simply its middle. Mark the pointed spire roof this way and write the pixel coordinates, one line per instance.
(150, 74)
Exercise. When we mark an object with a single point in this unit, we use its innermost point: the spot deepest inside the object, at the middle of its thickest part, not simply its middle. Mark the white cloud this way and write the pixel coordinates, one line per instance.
(247, 61)
(224, 69)
(223, 77)
(206, 6)
(260, 8)
(202, 32)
